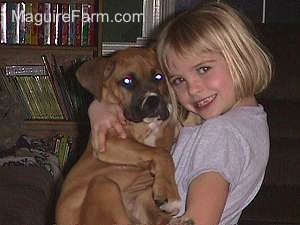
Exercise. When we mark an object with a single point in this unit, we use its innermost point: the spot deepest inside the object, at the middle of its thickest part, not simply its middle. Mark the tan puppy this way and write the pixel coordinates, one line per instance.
(133, 181)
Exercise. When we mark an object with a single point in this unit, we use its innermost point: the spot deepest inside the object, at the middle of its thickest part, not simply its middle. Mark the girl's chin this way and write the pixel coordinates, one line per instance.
(206, 114)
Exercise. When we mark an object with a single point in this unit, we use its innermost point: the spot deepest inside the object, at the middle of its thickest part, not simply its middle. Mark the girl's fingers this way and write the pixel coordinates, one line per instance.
(95, 142)
(121, 116)
(120, 130)
(102, 140)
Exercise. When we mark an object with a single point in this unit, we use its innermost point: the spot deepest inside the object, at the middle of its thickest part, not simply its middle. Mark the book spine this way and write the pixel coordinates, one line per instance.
(65, 24)
(22, 26)
(56, 148)
(64, 88)
(72, 31)
(24, 97)
(37, 91)
(47, 23)
(12, 22)
(21, 80)
(54, 24)
(85, 25)
(28, 24)
(34, 32)
(20, 70)
(3, 22)
(41, 10)
(60, 24)
(65, 152)
(41, 100)
(57, 90)
(55, 110)
(91, 34)
(61, 151)
(30, 82)
(47, 98)
(78, 25)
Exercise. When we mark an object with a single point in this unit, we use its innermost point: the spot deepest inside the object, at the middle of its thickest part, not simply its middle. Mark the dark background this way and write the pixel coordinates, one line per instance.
(277, 11)
(122, 32)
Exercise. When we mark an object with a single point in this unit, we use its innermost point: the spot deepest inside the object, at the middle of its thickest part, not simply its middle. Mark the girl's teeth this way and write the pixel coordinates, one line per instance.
(206, 101)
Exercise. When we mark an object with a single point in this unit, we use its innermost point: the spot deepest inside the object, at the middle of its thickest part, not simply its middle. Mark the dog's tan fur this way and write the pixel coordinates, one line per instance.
(122, 185)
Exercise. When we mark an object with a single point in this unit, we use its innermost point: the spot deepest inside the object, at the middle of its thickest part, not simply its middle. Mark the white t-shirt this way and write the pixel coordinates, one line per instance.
(236, 145)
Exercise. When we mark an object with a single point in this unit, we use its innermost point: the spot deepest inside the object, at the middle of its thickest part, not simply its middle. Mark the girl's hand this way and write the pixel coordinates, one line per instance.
(103, 116)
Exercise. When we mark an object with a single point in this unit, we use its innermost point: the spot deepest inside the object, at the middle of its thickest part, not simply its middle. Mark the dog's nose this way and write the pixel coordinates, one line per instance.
(150, 103)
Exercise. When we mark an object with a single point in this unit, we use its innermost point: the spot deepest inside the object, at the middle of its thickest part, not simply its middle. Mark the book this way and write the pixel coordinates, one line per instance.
(56, 87)
(63, 150)
(35, 30)
(28, 24)
(22, 25)
(36, 91)
(44, 23)
(3, 22)
(40, 26)
(12, 23)
(60, 23)
(65, 25)
(72, 23)
(85, 24)
(47, 23)
(62, 82)
(91, 33)
(78, 25)
(54, 24)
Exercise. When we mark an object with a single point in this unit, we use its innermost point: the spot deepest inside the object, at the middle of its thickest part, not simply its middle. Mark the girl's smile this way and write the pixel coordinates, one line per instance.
(202, 83)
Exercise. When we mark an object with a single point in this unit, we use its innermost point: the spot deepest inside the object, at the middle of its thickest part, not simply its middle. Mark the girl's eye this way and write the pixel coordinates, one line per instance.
(177, 81)
(203, 69)
(128, 81)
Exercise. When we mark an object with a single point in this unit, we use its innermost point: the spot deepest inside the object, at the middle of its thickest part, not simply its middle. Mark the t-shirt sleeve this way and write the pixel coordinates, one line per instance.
(219, 149)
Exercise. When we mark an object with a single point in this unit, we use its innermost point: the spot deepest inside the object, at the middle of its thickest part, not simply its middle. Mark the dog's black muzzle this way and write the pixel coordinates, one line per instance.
(150, 105)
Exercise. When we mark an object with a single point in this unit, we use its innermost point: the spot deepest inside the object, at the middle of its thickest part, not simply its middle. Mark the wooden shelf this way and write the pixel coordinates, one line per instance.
(46, 128)
(46, 47)
(56, 1)
(31, 55)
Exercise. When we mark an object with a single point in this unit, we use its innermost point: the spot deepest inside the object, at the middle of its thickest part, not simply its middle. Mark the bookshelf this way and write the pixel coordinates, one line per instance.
(30, 54)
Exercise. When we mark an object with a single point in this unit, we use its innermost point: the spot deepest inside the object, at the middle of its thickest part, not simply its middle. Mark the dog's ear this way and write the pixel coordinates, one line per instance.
(93, 73)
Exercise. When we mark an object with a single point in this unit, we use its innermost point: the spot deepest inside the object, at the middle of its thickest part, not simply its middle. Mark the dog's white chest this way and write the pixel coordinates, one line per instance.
(150, 140)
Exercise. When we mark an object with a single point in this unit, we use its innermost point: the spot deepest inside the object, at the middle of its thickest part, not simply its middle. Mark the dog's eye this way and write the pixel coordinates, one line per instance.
(158, 77)
(128, 82)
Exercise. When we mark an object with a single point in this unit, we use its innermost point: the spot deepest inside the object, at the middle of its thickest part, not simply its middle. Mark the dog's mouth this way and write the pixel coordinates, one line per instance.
(151, 106)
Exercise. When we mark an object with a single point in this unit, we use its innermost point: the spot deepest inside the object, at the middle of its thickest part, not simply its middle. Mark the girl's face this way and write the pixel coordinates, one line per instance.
(202, 83)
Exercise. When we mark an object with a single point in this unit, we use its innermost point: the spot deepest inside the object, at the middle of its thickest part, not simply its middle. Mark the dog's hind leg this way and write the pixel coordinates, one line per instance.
(105, 208)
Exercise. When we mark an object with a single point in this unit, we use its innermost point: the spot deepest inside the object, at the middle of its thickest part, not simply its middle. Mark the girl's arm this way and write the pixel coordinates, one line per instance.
(103, 116)
(206, 199)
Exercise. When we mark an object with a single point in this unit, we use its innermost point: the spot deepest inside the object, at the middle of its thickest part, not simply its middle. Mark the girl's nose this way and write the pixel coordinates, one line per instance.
(195, 87)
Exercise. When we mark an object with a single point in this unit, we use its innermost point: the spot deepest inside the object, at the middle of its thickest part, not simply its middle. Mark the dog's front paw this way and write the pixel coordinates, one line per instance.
(166, 196)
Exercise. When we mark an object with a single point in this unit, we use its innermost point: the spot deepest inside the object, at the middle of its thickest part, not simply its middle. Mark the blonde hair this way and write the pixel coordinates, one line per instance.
(216, 27)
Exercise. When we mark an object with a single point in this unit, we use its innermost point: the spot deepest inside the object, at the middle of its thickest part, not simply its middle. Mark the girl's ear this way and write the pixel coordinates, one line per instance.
(93, 73)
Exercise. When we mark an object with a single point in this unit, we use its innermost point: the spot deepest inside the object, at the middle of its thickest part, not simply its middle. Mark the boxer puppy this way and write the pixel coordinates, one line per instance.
(133, 181)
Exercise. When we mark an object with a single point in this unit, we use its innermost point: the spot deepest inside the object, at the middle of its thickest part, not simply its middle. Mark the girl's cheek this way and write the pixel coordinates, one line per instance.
(181, 97)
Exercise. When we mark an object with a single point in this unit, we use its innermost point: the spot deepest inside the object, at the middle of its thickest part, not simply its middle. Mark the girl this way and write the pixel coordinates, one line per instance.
(215, 66)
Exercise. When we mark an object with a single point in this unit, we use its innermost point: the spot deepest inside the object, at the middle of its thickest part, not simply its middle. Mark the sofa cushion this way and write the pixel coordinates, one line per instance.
(273, 205)
(26, 195)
